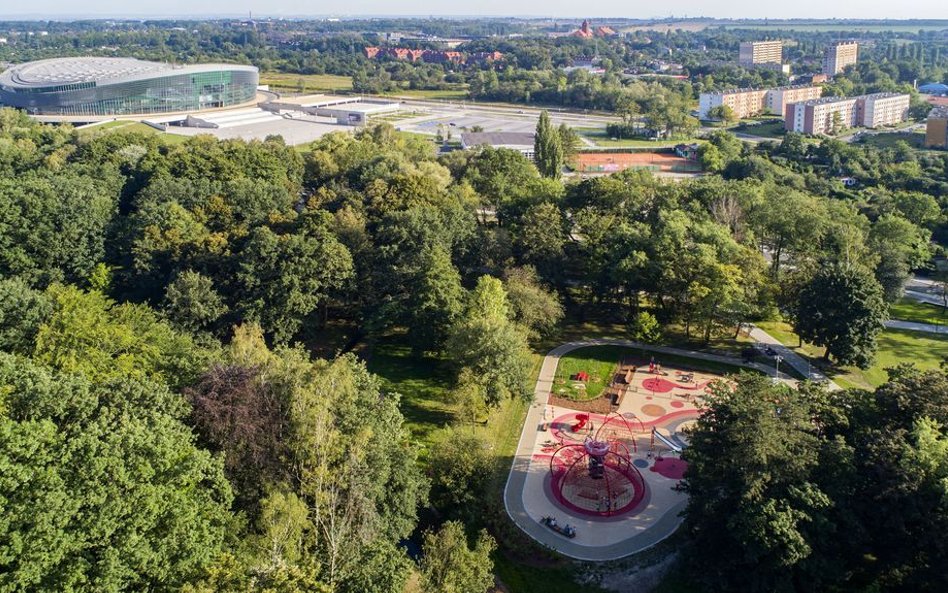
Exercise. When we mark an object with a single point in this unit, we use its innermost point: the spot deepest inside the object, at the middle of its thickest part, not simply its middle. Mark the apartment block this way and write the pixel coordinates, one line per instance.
(829, 115)
(884, 109)
(779, 98)
(936, 130)
(839, 55)
(760, 52)
(749, 102)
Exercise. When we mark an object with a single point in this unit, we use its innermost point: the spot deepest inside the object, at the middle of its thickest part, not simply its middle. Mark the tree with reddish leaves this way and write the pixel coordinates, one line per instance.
(237, 413)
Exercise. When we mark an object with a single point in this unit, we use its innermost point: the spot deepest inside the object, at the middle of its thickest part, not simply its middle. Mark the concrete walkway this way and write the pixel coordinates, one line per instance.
(514, 490)
(930, 328)
(799, 364)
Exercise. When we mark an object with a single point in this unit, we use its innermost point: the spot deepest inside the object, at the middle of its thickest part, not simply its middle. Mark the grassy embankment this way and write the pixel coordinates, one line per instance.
(127, 126)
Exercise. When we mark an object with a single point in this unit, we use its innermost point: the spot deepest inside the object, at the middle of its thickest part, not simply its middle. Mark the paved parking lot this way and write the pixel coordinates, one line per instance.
(460, 118)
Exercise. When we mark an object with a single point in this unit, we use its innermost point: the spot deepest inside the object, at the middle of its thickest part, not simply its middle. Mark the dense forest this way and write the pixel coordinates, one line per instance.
(185, 401)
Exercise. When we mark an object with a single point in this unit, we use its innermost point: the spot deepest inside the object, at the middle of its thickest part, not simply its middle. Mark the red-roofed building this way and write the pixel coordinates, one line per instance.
(583, 31)
(442, 57)
(587, 32)
(486, 56)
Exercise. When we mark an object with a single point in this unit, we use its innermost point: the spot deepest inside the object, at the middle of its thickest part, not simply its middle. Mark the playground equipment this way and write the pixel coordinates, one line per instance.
(665, 441)
(597, 477)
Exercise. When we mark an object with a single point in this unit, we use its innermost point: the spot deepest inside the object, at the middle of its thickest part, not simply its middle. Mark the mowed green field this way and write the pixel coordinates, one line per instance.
(909, 310)
(454, 94)
(599, 361)
(306, 83)
(824, 27)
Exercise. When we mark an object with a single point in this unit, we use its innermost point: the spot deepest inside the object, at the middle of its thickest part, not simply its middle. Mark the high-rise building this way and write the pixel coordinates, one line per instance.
(830, 115)
(936, 130)
(839, 55)
(760, 52)
(749, 102)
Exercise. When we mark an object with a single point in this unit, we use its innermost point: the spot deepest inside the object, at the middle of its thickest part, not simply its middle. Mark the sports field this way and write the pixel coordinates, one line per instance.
(610, 162)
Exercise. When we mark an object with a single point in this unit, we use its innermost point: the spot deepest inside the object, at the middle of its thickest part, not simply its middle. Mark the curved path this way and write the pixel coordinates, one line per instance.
(513, 491)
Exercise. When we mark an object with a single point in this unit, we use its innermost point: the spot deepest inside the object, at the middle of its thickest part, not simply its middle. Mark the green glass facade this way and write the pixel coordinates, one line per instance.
(188, 90)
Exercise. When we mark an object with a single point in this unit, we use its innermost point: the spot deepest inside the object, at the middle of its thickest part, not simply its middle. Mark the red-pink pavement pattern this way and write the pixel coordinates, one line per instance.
(670, 467)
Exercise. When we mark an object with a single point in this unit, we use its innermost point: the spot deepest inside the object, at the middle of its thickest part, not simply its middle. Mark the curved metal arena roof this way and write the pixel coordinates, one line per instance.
(102, 71)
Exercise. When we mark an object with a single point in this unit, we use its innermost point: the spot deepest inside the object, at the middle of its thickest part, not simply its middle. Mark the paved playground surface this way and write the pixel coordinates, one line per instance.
(667, 400)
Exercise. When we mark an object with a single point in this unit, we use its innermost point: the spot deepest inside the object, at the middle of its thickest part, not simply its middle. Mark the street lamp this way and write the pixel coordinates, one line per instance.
(777, 361)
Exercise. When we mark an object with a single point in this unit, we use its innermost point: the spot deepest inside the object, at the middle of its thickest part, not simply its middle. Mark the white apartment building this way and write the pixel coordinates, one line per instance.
(884, 109)
(830, 115)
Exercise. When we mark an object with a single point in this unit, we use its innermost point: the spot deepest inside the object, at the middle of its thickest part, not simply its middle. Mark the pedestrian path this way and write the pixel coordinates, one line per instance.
(519, 470)
(929, 328)
(788, 356)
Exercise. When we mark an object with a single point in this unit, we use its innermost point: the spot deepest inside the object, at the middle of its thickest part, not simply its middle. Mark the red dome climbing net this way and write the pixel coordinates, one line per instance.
(597, 477)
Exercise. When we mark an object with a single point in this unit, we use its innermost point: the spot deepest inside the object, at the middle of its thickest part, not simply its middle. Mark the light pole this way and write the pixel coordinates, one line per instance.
(777, 360)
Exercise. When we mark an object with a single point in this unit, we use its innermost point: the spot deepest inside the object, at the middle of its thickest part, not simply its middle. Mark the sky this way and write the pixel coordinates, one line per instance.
(865, 9)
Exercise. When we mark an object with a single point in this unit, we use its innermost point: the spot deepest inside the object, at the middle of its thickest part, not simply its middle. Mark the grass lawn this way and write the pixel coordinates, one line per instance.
(924, 350)
(525, 578)
(769, 130)
(306, 83)
(601, 361)
(397, 116)
(598, 361)
(825, 27)
(601, 138)
(128, 126)
(909, 310)
(114, 126)
(455, 94)
(423, 383)
(890, 139)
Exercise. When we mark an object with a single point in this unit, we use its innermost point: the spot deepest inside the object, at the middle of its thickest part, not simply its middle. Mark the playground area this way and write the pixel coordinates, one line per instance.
(595, 480)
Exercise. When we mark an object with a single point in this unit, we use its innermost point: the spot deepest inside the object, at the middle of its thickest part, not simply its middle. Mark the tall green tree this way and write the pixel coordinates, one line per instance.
(753, 505)
(842, 309)
(548, 148)
(450, 565)
(103, 486)
(491, 346)
(284, 277)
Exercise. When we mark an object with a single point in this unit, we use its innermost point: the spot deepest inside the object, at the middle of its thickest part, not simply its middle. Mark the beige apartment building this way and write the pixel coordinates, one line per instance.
(831, 115)
(839, 55)
(750, 102)
(760, 52)
(936, 130)
(743, 102)
(779, 98)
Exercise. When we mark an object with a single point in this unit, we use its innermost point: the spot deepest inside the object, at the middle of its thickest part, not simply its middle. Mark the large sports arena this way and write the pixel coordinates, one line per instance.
(123, 86)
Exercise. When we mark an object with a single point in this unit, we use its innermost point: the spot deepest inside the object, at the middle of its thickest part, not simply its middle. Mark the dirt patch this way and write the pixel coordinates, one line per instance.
(599, 405)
